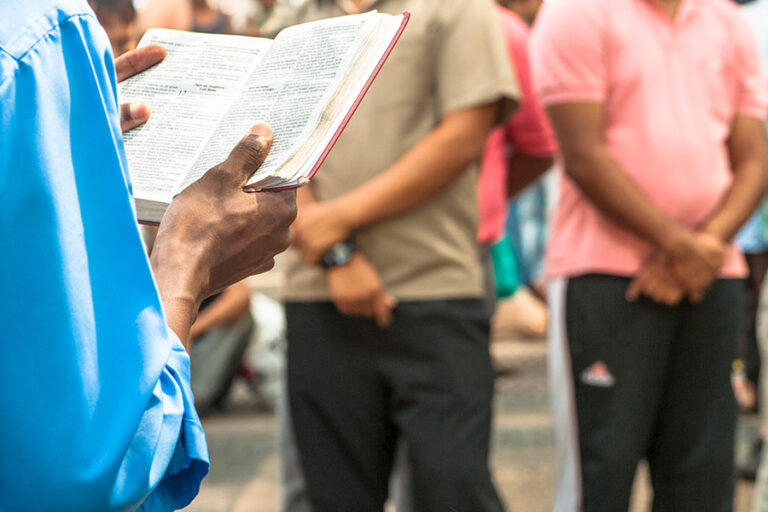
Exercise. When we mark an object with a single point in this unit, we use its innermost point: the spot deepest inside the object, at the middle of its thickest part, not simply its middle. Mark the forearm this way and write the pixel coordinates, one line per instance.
(180, 314)
(524, 170)
(740, 202)
(747, 150)
(424, 171)
(614, 193)
(179, 286)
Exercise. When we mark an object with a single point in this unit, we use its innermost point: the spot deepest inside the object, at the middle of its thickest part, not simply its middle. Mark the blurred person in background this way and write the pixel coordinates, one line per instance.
(266, 15)
(753, 240)
(98, 414)
(516, 157)
(118, 17)
(260, 18)
(175, 14)
(210, 18)
(219, 339)
(658, 107)
(516, 154)
(525, 9)
(387, 329)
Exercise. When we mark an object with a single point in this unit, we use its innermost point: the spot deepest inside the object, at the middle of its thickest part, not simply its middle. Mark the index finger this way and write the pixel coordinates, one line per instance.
(382, 309)
(635, 288)
(138, 60)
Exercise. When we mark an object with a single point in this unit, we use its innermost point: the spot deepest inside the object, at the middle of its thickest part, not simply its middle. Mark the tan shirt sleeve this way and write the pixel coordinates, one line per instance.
(473, 64)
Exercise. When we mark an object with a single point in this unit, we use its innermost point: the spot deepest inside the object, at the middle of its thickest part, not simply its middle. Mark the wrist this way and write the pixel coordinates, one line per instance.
(178, 276)
(339, 255)
(714, 231)
(180, 314)
(674, 239)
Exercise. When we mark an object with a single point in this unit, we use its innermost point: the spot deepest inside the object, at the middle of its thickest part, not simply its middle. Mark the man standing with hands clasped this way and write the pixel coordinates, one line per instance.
(387, 329)
(658, 107)
(96, 402)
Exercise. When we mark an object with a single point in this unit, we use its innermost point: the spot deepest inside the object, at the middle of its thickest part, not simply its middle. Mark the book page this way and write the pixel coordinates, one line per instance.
(187, 94)
(301, 163)
(289, 89)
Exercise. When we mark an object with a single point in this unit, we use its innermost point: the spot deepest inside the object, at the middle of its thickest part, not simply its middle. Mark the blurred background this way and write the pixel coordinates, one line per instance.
(238, 354)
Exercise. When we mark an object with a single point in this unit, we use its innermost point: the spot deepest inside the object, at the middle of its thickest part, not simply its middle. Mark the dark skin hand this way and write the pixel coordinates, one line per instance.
(213, 234)
(127, 65)
(692, 257)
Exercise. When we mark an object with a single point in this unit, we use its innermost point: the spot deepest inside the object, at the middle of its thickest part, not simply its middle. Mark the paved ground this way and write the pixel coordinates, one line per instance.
(244, 473)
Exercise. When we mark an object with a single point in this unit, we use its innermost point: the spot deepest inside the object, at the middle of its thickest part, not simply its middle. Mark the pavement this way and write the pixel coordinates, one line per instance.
(244, 473)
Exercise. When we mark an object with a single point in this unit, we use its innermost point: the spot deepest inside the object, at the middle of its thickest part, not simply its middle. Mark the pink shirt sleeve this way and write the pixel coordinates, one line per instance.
(567, 52)
(528, 130)
(492, 187)
(753, 88)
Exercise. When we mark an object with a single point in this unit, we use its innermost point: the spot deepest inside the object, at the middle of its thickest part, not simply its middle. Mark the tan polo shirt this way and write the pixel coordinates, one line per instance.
(451, 57)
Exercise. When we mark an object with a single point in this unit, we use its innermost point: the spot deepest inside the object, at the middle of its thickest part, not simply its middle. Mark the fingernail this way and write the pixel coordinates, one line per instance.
(262, 130)
(137, 110)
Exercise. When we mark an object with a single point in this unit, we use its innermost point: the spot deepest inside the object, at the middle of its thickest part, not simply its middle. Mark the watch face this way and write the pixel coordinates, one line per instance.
(341, 253)
(338, 254)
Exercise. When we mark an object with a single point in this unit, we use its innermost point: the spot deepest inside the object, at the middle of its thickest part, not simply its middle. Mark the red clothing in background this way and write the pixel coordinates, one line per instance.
(527, 131)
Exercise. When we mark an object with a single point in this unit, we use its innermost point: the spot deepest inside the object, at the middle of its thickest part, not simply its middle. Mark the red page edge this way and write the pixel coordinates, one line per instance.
(305, 179)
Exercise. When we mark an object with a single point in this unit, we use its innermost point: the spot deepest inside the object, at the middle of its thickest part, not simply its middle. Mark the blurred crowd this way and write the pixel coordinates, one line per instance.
(516, 194)
(433, 212)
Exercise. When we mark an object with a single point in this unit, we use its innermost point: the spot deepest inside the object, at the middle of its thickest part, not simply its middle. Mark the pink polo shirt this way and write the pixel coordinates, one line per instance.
(670, 90)
(527, 131)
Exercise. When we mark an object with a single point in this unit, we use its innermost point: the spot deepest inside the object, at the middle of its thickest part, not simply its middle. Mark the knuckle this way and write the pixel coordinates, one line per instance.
(215, 176)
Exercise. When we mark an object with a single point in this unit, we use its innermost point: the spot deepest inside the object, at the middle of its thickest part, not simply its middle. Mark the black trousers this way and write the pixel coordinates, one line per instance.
(748, 349)
(646, 381)
(354, 389)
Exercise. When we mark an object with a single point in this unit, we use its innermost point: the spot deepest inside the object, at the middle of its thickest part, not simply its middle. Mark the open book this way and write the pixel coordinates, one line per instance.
(210, 89)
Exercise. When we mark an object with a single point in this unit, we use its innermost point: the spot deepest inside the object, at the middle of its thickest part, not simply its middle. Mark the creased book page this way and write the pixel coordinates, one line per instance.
(289, 89)
(300, 164)
(187, 95)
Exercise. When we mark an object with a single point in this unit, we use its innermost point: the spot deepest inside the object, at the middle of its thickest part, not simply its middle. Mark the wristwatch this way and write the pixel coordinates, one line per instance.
(339, 254)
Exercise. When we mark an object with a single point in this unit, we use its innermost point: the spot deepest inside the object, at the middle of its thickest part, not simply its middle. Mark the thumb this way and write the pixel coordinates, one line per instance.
(249, 153)
(132, 115)
(634, 290)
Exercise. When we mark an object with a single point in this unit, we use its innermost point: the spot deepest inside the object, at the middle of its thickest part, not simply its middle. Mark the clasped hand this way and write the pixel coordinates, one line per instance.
(356, 288)
(687, 269)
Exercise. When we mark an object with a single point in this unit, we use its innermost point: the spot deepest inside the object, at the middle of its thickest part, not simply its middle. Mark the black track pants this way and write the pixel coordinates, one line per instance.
(635, 380)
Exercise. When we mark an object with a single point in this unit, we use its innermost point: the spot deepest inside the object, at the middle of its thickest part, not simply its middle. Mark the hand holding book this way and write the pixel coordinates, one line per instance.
(213, 234)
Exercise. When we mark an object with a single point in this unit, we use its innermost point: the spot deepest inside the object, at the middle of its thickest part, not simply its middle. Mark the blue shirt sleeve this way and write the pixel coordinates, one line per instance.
(97, 412)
